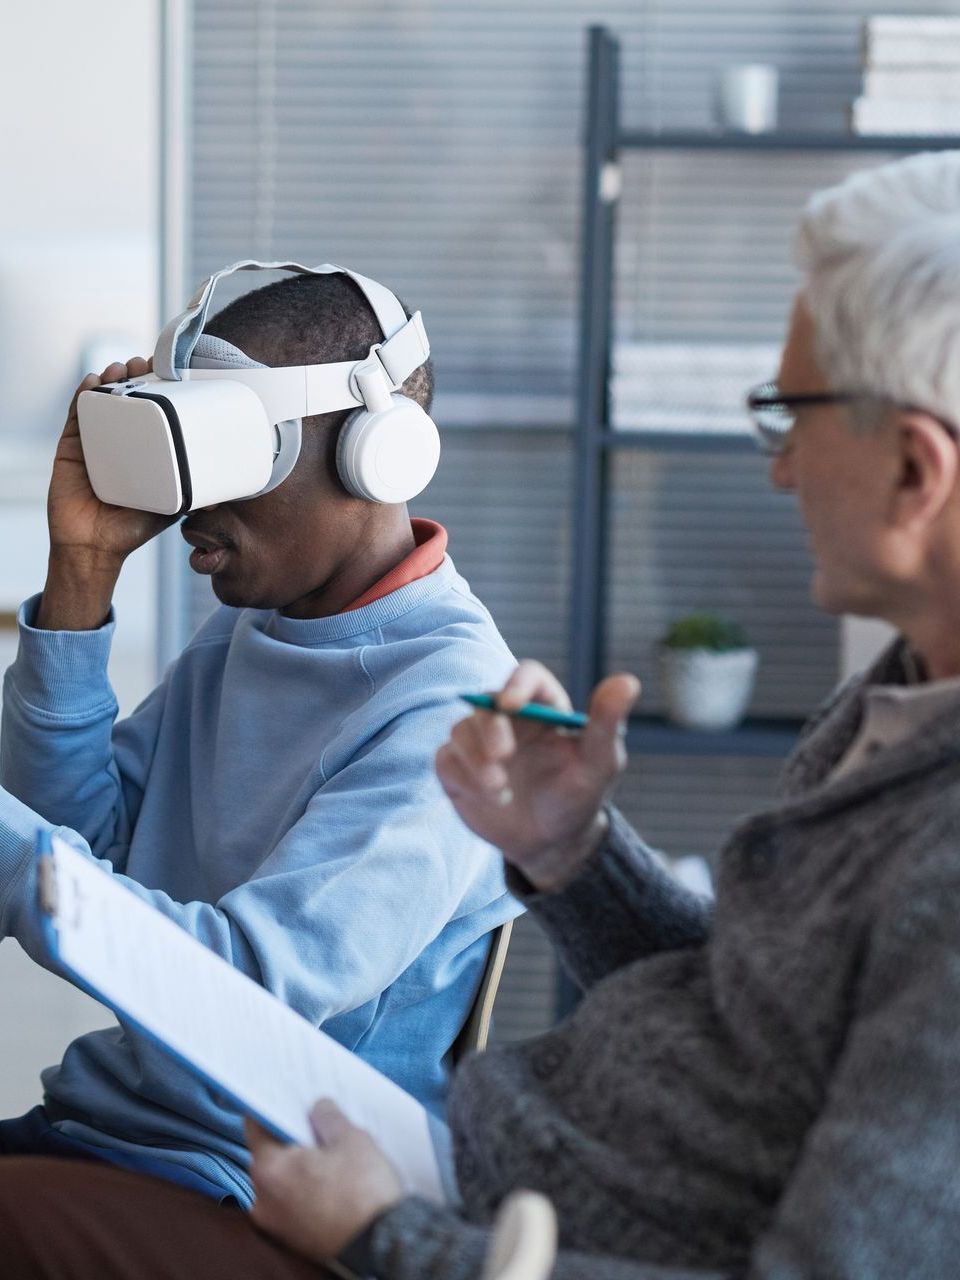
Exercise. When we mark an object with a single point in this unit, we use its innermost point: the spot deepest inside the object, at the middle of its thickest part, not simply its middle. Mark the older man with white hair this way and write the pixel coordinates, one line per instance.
(765, 1087)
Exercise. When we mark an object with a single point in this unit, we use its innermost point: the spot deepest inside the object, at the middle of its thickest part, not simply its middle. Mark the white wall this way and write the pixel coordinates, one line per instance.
(78, 94)
(79, 215)
(78, 270)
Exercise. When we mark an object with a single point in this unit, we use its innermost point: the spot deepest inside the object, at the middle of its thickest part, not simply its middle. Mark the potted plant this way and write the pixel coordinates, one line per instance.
(707, 669)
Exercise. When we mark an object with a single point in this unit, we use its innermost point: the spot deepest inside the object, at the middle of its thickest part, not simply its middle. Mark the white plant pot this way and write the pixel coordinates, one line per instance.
(706, 690)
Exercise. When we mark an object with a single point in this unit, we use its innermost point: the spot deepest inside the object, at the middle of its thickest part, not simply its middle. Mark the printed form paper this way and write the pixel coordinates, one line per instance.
(242, 1038)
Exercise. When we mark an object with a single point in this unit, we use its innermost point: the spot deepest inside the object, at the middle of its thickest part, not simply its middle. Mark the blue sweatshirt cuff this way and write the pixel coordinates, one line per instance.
(61, 673)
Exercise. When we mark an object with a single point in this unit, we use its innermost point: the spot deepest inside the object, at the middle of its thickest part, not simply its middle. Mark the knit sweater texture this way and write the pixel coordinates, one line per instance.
(762, 1088)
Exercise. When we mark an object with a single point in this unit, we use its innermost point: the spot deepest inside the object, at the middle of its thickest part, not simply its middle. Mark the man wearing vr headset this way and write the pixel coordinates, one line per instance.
(275, 794)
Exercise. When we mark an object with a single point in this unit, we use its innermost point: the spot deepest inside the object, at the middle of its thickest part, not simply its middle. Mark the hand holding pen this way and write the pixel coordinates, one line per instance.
(536, 793)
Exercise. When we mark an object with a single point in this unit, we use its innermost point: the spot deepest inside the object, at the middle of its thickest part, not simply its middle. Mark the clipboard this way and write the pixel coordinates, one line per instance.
(229, 1032)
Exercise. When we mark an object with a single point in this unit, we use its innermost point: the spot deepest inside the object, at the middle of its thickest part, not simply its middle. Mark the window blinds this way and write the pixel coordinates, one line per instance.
(435, 144)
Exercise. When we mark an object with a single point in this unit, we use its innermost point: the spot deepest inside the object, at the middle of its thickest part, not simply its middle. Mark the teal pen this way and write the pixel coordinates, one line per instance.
(532, 711)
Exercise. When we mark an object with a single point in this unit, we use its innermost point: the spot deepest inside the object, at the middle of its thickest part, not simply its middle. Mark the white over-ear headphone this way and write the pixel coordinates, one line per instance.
(388, 448)
(387, 451)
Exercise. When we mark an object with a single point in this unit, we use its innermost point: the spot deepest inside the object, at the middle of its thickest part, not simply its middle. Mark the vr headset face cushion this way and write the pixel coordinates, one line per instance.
(216, 353)
(212, 352)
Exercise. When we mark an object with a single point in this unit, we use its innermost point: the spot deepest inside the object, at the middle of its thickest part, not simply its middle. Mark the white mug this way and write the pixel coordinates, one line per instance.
(747, 98)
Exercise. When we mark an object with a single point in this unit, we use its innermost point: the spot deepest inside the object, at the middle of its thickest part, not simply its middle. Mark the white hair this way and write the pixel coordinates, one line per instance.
(880, 254)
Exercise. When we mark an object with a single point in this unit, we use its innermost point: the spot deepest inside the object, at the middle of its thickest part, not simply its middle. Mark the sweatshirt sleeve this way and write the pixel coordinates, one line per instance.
(321, 933)
(622, 907)
(60, 752)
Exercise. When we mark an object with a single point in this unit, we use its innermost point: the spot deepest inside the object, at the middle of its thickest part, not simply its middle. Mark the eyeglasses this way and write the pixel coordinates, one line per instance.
(774, 415)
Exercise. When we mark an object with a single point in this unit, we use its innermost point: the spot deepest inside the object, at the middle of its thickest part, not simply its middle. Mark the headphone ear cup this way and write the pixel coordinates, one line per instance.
(288, 436)
(388, 455)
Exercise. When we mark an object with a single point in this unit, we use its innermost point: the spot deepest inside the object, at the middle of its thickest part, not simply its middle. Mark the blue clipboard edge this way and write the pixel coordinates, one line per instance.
(46, 907)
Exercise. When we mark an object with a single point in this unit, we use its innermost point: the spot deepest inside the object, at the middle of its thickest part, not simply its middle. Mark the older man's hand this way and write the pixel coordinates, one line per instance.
(317, 1199)
(532, 790)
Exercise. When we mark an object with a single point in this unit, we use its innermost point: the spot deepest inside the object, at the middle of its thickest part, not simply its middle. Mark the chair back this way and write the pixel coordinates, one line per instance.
(476, 1030)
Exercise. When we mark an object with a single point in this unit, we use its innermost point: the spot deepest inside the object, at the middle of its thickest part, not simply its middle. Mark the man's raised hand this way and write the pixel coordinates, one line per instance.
(79, 521)
(537, 792)
(89, 539)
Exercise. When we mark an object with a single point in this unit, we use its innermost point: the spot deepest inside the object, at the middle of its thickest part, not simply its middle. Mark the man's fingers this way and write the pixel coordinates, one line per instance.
(135, 367)
(481, 770)
(486, 736)
(114, 372)
(71, 428)
(532, 682)
(452, 772)
(601, 742)
(259, 1140)
(459, 782)
(70, 449)
(328, 1122)
(613, 698)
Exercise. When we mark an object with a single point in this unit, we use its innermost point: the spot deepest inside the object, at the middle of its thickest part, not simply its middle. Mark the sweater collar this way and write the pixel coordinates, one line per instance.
(309, 632)
(830, 733)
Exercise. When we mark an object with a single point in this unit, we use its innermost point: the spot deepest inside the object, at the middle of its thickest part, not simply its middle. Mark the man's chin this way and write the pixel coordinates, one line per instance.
(229, 592)
(235, 599)
(240, 595)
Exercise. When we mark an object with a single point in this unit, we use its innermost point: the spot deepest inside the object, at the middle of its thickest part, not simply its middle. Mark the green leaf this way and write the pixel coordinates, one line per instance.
(705, 631)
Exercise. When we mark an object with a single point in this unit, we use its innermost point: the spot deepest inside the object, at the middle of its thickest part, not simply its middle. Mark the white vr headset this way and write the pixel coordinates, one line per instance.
(211, 425)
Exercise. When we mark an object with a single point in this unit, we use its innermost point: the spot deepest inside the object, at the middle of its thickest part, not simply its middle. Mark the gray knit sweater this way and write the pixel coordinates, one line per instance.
(771, 1091)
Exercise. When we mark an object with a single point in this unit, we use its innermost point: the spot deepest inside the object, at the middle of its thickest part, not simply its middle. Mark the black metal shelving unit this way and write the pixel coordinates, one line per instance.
(605, 141)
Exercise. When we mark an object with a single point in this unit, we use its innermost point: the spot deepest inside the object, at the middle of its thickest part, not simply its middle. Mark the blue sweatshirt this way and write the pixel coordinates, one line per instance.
(276, 797)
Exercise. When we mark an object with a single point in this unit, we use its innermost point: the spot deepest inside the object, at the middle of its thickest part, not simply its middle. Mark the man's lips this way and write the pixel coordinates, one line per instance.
(208, 552)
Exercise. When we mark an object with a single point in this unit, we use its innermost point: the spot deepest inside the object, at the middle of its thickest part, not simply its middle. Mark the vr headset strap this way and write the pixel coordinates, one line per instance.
(179, 336)
(405, 351)
(300, 391)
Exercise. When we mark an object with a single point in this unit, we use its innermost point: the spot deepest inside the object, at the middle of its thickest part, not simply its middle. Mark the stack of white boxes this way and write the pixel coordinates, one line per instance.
(684, 387)
(911, 77)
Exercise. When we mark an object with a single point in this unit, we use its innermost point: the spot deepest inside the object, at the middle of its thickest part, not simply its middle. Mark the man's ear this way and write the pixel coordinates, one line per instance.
(927, 472)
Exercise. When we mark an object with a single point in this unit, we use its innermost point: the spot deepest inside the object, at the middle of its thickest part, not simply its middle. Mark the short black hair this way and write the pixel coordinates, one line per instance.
(310, 320)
